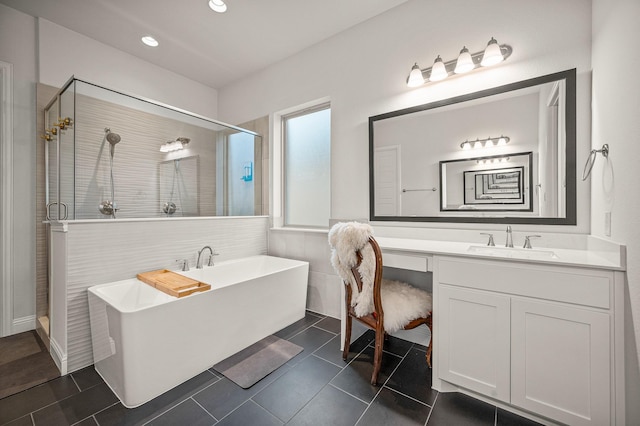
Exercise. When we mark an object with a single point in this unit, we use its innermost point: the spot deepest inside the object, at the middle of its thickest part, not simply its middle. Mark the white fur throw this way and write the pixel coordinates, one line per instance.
(401, 302)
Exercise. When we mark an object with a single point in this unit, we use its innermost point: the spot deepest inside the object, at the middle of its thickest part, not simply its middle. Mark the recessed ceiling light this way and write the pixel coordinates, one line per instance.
(150, 41)
(218, 6)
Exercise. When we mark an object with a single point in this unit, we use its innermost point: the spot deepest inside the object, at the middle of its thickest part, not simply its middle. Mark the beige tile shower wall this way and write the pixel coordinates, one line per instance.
(109, 251)
(136, 159)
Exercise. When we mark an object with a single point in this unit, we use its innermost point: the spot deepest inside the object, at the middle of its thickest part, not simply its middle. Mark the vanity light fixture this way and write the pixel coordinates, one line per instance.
(493, 54)
(486, 143)
(178, 144)
(218, 6)
(150, 41)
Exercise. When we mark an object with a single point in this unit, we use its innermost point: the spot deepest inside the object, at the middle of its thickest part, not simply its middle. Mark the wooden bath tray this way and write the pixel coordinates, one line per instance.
(171, 283)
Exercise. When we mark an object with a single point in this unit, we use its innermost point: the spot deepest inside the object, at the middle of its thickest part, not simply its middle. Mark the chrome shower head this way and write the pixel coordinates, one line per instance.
(112, 138)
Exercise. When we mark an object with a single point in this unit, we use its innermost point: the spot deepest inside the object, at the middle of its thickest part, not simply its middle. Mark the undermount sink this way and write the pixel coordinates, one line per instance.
(520, 253)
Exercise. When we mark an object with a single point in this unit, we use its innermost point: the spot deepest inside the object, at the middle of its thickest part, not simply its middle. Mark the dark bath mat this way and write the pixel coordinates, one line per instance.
(250, 365)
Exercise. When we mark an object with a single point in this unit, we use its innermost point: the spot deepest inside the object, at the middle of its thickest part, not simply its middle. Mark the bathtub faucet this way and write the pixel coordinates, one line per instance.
(210, 263)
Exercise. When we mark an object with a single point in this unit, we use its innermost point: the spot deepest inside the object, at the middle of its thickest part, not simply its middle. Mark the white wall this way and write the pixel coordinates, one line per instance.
(42, 51)
(63, 53)
(363, 71)
(17, 46)
(616, 112)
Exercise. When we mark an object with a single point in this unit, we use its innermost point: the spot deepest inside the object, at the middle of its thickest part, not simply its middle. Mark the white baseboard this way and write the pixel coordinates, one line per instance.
(59, 357)
(20, 325)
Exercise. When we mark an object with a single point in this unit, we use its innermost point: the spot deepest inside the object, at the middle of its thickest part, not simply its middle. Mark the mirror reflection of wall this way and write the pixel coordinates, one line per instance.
(179, 187)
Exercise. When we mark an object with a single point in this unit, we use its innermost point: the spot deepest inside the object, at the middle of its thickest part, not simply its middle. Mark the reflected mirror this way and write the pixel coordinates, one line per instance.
(501, 155)
(499, 183)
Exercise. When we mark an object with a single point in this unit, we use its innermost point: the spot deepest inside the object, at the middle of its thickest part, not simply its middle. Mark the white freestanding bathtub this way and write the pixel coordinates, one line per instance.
(146, 342)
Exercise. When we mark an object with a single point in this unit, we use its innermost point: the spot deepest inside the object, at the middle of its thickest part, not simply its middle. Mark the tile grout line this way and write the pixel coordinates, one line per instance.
(432, 407)
(408, 396)
(74, 382)
(305, 329)
(185, 399)
(345, 392)
(206, 411)
(381, 386)
(104, 409)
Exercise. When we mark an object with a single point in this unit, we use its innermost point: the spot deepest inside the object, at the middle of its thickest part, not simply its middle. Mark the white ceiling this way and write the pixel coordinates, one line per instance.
(211, 48)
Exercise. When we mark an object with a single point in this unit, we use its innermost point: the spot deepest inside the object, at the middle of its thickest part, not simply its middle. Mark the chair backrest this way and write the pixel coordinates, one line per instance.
(377, 278)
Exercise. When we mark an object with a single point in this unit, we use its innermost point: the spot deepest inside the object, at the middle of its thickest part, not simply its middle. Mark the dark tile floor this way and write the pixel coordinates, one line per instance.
(315, 388)
(24, 362)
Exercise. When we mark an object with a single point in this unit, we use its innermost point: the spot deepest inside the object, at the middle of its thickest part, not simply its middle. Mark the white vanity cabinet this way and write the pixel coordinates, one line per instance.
(545, 339)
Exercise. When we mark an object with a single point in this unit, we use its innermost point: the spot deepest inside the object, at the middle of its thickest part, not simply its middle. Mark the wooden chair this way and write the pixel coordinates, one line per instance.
(375, 320)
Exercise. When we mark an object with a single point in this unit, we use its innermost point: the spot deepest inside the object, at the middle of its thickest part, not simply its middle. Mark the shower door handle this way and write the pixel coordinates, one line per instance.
(48, 215)
(66, 211)
(55, 203)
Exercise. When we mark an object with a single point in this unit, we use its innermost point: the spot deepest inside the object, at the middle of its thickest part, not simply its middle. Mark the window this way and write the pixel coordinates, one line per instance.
(306, 144)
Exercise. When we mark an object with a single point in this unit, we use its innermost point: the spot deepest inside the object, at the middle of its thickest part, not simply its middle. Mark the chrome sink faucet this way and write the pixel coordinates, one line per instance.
(509, 242)
(212, 253)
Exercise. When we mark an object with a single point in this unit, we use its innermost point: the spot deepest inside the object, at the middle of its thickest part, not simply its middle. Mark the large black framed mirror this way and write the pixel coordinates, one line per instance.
(479, 133)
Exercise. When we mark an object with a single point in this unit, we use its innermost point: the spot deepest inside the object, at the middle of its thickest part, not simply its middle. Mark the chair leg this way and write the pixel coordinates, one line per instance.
(377, 357)
(347, 337)
(430, 348)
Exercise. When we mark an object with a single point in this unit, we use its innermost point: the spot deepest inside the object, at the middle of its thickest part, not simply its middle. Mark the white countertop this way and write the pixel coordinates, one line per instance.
(610, 257)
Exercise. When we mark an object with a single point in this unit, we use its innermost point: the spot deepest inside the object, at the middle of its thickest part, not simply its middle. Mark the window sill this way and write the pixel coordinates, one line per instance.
(296, 229)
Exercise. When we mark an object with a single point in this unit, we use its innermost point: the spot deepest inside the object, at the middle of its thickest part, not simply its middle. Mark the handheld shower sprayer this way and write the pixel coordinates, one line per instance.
(112, 138)
(108, 207)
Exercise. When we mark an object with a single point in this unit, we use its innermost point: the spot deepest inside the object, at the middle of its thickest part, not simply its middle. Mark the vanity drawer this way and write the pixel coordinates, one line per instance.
(582, 286)
(404, 261)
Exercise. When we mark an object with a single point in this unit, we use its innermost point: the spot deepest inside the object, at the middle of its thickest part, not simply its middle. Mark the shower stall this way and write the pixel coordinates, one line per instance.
(114, 161)
(110, 156)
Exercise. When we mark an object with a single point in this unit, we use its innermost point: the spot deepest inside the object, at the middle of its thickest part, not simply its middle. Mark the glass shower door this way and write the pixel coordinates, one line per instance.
(51, 160)
(66, 126)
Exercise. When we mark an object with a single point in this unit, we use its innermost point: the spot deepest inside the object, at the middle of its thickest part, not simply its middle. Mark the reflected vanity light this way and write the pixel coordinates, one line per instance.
(486, 143)
(493, 54)
(178, 144)
(492, 160)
